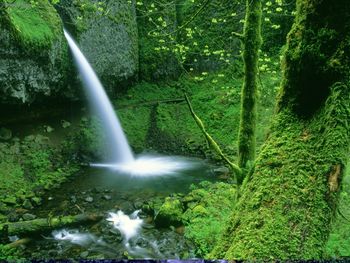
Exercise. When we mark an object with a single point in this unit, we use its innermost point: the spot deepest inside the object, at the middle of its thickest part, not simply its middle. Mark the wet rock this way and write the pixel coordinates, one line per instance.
(116, 60)
(27, 204)
(28, 216)
(138, 204)
(84, 254)
(13, 217)
(170, 213)
(21, 211)
(10, 200)
(180, 230)
(97, 190)
(52, 253)
(28, 73)
(36, 201)
(3, 208)
(73, 199)
(106, 197)
(222, 172)
(89, 199)
(5, 134)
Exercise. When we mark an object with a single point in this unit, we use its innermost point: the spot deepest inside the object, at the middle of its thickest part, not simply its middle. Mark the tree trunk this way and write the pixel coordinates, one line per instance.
(251, 42)
(289, 199)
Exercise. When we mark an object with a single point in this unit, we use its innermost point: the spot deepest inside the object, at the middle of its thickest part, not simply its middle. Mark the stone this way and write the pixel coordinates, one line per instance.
(10, 200)
(170, 213)
(221, 171)
(3, 208)
(27, 204)
(106, 197)
(36, 201)
(73, 199)
(84, 254)
(34, 68)
(13, 217)
(28, 217)
(89, 199)
(115, 60)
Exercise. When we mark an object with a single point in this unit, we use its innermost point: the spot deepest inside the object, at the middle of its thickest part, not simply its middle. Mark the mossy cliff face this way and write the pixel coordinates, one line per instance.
(33, 52)
(107, 35)
(288, 201)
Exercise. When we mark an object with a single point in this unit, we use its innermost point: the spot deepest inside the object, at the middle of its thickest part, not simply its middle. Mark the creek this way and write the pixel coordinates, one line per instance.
(105, 191)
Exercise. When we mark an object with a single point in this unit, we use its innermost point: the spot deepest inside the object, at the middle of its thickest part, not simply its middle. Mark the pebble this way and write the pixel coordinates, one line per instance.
(73, 199)
(84, 254)
(28, 216)
(89, 199)
(107, 197)
(27, 204)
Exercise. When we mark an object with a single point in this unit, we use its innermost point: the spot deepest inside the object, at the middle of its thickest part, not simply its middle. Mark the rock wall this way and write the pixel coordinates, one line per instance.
(107, 34)
(35, 65)
(33, 53)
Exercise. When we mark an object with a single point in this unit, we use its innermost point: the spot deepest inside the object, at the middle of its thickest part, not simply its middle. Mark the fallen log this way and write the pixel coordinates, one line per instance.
(45, 224)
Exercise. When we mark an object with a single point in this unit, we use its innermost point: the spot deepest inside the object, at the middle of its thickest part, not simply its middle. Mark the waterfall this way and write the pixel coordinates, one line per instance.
(119, 147)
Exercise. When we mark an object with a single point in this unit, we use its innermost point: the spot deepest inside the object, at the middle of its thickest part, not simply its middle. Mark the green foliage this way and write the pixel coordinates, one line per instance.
(36, 25)
(209, 206)
(9, 254)
(29, 163)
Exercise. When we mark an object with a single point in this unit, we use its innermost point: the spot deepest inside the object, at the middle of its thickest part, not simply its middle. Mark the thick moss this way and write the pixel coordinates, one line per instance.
(289, 199)
(34, 25)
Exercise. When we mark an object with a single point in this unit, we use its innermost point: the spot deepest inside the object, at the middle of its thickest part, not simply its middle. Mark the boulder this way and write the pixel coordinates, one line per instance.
(170, 213)
(106, 32)
(33, 53)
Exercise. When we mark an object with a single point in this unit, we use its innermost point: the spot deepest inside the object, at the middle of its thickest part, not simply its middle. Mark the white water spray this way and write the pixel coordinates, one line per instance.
(120, 149)
(129, 227)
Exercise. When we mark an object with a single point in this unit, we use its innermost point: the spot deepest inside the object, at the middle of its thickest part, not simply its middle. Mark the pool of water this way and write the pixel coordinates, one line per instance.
(105, 191)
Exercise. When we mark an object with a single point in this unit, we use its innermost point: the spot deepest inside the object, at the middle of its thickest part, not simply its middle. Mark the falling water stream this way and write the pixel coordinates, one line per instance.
(120, 150)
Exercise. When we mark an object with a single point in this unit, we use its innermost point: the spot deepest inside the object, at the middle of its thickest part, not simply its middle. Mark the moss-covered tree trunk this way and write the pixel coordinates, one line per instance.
(251, 42)
(289, 200)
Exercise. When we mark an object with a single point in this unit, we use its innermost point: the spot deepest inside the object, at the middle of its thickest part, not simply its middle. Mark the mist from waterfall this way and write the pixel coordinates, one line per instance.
(120, 150)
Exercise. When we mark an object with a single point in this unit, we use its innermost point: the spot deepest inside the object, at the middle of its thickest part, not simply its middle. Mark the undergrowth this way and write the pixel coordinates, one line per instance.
(210, 204)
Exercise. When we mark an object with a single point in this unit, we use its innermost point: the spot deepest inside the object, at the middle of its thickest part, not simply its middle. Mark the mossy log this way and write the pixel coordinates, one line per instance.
(46, 224)
(212, 143)
(288, 202)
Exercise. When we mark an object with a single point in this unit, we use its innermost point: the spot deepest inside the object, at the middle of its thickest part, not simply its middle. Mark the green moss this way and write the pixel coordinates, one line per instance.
(208, 207)
(338, 244)
(287, 205)
(34, 25)
(170, 213)
(28, 164)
